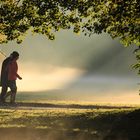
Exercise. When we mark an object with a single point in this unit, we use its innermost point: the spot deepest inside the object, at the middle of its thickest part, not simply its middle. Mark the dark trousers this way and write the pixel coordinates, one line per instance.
(3, 92)
(13, 88)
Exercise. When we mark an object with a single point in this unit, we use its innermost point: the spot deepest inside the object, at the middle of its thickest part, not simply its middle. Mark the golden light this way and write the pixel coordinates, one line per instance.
(45, 77)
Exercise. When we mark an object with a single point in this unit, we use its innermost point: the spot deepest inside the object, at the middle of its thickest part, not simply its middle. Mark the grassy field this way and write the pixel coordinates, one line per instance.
(67, 121)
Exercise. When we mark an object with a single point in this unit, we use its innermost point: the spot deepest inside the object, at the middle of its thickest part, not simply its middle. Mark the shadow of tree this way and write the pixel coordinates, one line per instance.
(127, 127)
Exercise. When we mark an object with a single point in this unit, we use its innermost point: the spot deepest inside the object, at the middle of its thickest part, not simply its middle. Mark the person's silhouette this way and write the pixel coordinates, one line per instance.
(4, 78)
(11, 75)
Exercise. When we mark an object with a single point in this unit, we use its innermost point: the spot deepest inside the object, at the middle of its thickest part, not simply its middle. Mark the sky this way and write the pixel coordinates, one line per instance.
(94, 68)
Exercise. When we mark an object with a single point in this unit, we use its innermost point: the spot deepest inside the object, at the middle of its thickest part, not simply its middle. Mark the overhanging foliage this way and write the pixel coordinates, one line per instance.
(119, 18)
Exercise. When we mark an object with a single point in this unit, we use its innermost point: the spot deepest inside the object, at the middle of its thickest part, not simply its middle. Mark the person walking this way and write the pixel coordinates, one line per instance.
(12, 76)
(4, 78)
(8, 77)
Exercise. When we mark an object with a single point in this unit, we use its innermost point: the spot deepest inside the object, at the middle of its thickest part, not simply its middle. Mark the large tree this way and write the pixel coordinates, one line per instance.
(119, 18)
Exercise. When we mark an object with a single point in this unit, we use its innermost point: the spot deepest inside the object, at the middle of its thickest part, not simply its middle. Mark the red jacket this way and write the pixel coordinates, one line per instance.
(12, 70)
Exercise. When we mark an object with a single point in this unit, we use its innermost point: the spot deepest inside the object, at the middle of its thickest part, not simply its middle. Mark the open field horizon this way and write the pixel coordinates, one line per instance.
(79, 97)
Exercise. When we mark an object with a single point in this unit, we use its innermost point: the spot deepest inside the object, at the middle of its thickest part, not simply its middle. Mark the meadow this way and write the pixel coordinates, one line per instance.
(67, 120)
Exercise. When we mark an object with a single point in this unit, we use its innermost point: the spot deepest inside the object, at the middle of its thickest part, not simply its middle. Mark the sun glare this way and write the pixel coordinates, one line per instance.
(53, 77)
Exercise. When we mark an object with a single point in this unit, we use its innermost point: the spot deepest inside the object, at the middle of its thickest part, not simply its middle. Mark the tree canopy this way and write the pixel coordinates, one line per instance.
(119, 18)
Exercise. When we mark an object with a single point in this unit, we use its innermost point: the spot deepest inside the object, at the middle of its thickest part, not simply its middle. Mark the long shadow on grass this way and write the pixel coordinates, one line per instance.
(49, 105)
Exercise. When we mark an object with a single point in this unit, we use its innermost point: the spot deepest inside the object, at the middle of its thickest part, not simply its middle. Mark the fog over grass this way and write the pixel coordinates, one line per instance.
(76, 68)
